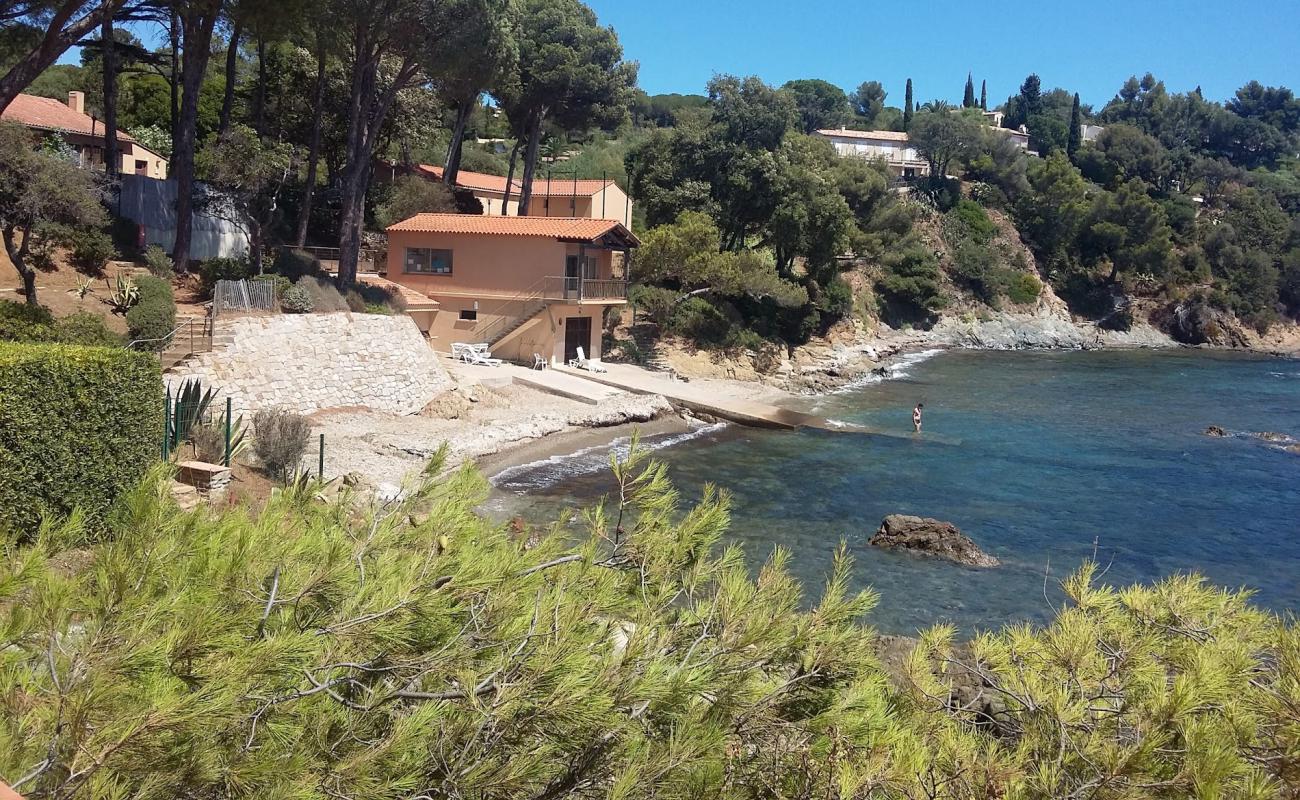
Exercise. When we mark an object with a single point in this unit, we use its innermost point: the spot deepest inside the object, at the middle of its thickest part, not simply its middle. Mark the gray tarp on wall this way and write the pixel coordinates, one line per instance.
(152, 203)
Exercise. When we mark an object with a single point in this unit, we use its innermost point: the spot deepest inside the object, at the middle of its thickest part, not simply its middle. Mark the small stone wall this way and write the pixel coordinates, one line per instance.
(308, 362)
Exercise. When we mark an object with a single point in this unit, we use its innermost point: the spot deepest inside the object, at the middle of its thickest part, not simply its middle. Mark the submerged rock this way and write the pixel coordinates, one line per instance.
(930, 537)
(1215, 430)
(1271, 436)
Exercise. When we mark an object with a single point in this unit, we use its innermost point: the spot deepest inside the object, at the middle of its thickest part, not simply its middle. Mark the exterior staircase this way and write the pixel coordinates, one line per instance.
(530, 310)
(646, 336)
(192, 335)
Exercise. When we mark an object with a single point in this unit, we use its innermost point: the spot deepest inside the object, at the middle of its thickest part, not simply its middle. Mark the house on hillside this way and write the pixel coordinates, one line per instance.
(891, 146)
(523, 285)
(1089, 133)
(84, 133)
(552, 197)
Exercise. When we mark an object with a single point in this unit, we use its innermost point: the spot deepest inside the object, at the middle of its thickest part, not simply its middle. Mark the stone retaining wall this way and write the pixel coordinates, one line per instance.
(308, 362)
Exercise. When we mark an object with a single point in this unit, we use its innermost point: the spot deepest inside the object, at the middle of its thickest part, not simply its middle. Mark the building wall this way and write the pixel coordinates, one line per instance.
(91, 149)
(610, 203)
(151, 203)
(486, 266)
(542, 335)
(309, 362)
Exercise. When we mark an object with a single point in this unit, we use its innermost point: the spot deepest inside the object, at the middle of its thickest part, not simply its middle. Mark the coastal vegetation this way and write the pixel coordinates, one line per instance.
(334, 646)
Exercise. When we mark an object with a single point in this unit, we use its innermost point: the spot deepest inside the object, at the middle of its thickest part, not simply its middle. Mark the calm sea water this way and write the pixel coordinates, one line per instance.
(1042, 458)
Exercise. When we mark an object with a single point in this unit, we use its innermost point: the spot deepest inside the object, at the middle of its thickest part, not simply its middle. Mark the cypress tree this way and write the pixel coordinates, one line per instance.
(968, 97)
(907, 106)
(984, 95)
(1076, 129)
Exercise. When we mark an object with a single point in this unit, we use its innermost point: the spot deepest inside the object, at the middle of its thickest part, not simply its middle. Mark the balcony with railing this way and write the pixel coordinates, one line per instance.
(561, 287)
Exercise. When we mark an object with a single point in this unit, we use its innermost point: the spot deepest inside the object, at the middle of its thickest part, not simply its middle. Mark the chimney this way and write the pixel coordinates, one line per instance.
(77, 102)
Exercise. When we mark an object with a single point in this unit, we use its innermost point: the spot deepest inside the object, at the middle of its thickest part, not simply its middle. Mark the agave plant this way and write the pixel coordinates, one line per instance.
(189, 408)
(83, 288)
(124, 295)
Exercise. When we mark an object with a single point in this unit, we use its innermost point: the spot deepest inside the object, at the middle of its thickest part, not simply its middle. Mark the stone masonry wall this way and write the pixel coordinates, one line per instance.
(308, 362)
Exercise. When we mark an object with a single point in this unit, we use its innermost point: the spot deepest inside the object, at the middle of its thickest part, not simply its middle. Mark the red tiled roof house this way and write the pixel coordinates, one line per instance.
(523, 285)
(552, 197)
(83, 132)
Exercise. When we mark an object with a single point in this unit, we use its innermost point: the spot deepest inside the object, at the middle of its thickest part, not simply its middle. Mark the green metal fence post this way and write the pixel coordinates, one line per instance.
(320, 471)
(167, 425)
(229, 421)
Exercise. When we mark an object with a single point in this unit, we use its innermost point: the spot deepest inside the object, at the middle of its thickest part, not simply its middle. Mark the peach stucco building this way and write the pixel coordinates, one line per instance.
(552, 196)
(84, 133)
(523, 285)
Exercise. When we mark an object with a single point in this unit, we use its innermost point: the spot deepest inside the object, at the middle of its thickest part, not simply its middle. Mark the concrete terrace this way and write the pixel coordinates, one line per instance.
(699, 399)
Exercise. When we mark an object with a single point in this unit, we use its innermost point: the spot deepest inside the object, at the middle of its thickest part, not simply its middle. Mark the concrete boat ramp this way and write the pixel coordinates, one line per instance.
(594, 387)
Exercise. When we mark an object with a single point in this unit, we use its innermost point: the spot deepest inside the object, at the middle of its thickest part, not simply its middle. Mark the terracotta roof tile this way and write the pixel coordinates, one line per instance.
(565, 228)
(890, 136)
(559, 187)
(51, 115)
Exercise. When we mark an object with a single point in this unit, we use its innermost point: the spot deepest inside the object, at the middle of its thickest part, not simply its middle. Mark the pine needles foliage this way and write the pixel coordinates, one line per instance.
(330, 647)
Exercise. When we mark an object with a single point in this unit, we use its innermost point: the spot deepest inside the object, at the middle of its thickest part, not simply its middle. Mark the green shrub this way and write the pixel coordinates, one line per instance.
(653, 302)
(86, 329)
(297, 300)
(158, 262)
(325, 296)
(125, 234)
(224, 269)
(971, 217)
(294, 264)
(90, 250)
(22, 322)
(280, 439)
(1023, 288)
(151, 319)
(836, 300)
(698, 319)
(78, 426)
(356, 303)
(281, 283)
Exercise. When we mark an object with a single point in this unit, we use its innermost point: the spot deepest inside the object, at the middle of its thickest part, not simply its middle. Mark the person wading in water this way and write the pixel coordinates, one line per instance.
(916, 417)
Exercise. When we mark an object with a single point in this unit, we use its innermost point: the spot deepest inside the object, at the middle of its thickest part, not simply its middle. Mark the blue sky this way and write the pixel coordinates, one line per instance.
(1088, 47)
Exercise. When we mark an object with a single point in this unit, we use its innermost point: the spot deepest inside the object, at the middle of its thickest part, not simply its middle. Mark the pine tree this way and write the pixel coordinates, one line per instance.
(984, 95)
(907, 106)
(968, 97)
(1076, 129)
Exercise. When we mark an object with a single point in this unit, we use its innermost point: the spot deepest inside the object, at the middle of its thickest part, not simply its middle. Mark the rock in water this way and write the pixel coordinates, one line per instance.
(1215, 430)
(930, 537)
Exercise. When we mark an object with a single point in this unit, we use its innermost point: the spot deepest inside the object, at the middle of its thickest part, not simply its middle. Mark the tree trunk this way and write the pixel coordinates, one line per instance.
(530, 161)
(18, 257)
(255, 243)
(232, 62)
(56, 40)
(112, 161)
(174, 37)
(199, 23)
(313, 151)
(259, 119)
(369, 110)
(510, 177)
(451, 167)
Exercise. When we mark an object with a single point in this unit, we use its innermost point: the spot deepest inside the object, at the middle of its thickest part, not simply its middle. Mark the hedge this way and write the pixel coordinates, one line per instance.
(78, 426)
(151, 319)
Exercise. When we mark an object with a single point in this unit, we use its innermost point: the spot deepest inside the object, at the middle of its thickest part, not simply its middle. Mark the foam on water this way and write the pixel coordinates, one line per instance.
(549, 471)
(899, 368)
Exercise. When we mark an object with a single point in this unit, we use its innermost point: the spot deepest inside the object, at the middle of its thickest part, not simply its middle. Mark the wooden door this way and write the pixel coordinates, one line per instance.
(577, 333)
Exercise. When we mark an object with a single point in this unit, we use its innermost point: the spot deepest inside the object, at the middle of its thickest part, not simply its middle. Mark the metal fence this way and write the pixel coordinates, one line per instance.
(244, 296)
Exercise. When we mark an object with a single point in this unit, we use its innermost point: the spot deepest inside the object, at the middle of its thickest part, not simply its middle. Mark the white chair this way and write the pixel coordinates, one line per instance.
(483, 358)
(539, 362)
(589, 364)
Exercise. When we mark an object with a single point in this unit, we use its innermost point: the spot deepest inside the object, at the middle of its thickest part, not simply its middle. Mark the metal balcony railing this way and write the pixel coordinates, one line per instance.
(563, 287)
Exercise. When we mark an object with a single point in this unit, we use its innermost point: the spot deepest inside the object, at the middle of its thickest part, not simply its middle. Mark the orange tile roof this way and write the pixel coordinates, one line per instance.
(563, 228)
(557, 187)
(52, 115)
(414, 300)
(891, 136)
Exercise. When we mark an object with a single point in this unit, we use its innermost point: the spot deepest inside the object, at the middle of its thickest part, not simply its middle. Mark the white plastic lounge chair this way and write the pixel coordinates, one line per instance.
(539, 362)
(482, 358)
(589, 364)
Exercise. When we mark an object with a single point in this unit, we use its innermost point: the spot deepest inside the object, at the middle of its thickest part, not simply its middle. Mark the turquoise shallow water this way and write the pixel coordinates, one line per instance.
(1042, 458)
